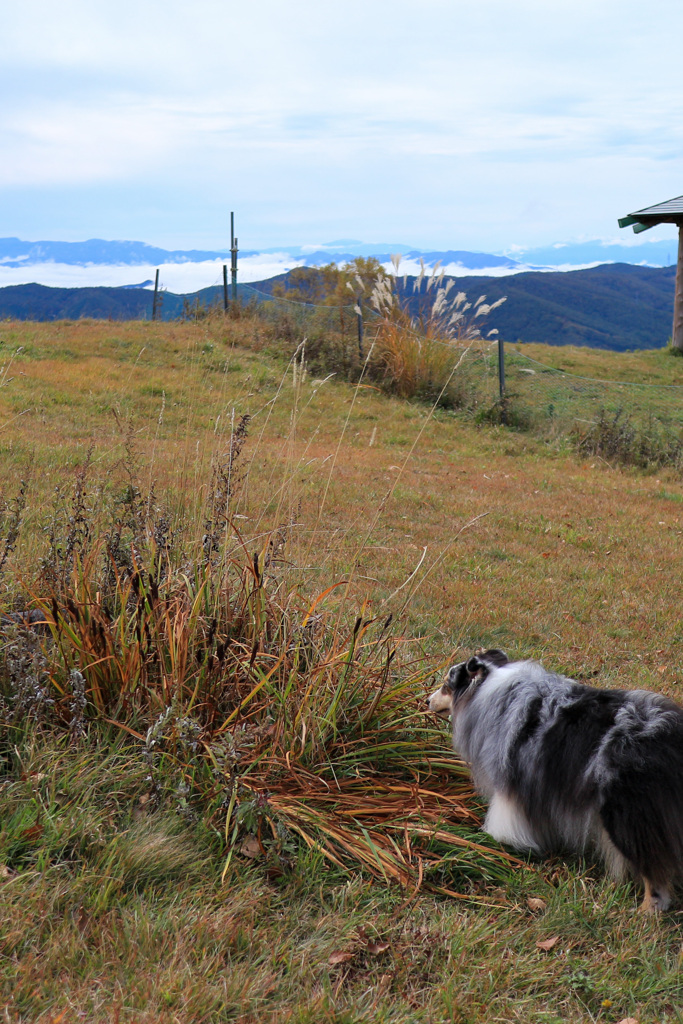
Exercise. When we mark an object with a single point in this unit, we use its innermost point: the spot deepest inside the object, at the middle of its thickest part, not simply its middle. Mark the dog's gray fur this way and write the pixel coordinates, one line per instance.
(567, 766)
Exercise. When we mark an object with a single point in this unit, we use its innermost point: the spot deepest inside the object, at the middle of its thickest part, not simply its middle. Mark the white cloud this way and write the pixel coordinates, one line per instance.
(175, 277)
(412, 268)
(64, 143)
(447, 123)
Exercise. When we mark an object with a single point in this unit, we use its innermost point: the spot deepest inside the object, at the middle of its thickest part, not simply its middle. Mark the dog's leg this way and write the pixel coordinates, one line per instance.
(657, 897)
(507, 823)
(615, 862)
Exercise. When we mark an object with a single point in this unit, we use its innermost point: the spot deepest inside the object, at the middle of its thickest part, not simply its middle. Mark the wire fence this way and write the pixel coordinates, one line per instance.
(309, 318)
(535, 396)
(554, 396)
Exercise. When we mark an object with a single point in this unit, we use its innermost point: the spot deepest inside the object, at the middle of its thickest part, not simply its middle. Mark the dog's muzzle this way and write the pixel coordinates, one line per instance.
(440, 703)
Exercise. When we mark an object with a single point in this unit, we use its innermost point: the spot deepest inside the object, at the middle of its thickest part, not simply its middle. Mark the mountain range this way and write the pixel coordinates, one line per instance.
(612, 306)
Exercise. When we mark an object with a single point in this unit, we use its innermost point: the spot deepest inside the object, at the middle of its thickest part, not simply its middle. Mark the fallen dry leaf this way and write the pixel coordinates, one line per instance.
(377, 947)
(536, 904)
(628, 1020)
(33, 832)
(339, 958)
(82, 920)
(6, 872)
(251, 848)
(548, 943)
(276, 869)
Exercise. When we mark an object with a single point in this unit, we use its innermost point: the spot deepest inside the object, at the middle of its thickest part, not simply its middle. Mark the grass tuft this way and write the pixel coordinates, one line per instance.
(268, 717)
(619, 438)
(422, 341)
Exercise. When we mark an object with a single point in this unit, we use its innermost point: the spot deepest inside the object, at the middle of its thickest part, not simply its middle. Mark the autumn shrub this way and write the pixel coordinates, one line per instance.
(277, 718)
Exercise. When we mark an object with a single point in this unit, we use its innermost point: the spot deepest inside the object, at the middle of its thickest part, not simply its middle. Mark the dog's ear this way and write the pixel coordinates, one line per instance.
(475, 670)
(480, 665)
(495, 657)
(458, 678)
(477, 667)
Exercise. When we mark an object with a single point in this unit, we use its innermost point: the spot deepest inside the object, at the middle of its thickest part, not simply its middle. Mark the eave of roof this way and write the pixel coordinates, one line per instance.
(669, 212)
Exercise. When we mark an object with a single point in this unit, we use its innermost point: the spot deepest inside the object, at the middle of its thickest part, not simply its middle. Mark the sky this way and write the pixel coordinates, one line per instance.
(487, 125)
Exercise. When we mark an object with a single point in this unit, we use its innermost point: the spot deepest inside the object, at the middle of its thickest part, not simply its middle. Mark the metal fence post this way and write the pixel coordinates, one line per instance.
(501, 376)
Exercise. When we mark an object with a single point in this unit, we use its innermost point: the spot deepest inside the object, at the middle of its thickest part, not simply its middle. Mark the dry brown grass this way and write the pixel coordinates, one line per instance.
(573, 561)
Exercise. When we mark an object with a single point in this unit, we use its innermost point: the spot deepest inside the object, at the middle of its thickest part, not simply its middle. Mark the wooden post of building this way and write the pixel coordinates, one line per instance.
(669, 212)
(155, 301)
(677, 329)
(225, 288)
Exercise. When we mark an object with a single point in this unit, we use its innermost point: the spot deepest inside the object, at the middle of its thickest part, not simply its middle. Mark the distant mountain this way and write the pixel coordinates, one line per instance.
(615, 306)
(653, 254)
(449, 257)
(38, 302)
(348, 245)
(15, 253)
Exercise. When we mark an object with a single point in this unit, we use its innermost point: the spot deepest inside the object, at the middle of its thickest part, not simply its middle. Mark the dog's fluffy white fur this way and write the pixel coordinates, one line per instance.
(570, 767)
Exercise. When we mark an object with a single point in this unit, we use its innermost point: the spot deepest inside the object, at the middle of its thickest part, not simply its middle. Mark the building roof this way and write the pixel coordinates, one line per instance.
(670, 212)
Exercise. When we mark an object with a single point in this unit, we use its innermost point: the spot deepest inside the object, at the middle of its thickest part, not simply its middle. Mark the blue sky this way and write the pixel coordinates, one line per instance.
(474, 125)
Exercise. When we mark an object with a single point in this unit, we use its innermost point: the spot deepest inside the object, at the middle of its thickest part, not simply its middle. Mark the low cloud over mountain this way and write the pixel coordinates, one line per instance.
(97, 262)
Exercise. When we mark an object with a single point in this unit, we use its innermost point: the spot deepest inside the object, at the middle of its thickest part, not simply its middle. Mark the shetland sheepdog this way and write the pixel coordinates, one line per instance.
(570, 767)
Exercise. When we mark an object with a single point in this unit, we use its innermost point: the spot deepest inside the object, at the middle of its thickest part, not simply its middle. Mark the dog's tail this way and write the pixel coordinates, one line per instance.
(641, 807)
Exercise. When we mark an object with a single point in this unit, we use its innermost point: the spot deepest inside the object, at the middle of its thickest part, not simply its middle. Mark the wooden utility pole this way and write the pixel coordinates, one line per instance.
(155, 301)
(670, 212)
(233, 257)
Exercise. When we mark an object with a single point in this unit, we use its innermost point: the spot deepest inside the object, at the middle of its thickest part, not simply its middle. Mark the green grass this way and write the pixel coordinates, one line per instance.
(650, 366)
(118, 913)
(247, 858)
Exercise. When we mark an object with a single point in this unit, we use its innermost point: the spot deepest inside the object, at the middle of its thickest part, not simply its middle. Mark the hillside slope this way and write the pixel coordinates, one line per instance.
(614, 306)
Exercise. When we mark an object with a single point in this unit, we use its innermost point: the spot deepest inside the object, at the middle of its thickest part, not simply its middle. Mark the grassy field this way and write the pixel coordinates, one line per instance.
(651, 366)
(133, 887)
